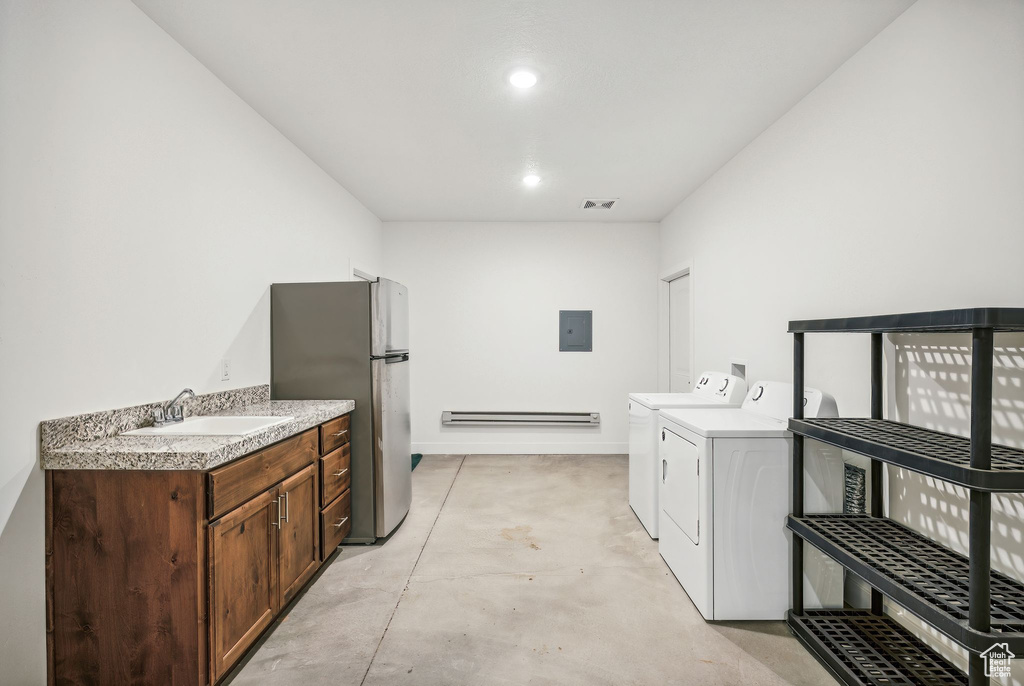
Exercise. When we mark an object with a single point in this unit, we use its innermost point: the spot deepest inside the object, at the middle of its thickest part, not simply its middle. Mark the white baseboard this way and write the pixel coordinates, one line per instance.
(505, 448)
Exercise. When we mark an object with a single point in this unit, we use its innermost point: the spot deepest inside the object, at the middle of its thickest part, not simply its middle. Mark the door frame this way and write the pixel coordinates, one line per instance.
(664, 328)
(357, 274)
(360, 275)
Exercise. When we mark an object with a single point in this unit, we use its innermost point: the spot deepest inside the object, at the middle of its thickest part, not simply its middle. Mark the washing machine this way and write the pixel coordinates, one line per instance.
(725, 487)
(713, 389)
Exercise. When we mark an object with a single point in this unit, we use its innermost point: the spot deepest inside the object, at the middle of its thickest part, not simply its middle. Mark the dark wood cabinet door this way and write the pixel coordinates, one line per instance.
(243, 579)
(299, 549)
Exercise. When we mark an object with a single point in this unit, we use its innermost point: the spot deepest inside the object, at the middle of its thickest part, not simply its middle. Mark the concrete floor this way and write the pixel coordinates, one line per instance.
(514, 570)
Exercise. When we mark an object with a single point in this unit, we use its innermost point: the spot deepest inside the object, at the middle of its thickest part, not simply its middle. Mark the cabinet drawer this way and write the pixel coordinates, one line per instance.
(237, 482)
(336, 522)
(333, 434)
(335, 474)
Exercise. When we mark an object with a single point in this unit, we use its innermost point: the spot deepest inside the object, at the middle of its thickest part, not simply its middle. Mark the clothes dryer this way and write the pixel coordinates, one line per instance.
(725, 490)
(713, 389)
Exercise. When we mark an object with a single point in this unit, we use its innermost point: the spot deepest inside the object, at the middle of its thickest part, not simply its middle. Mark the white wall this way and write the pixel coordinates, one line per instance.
(894, 186)
(484, 301)
(144, 212)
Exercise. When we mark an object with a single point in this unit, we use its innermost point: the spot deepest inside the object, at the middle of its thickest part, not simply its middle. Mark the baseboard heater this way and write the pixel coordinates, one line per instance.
(520, 418)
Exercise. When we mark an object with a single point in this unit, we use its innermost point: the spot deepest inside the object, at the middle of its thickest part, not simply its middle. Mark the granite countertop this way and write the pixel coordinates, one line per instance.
(73, 443)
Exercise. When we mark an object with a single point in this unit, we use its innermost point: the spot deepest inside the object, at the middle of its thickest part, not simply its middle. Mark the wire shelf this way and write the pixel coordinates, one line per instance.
(934, 453)
(859, 647)
(925, 577)
(947, 321)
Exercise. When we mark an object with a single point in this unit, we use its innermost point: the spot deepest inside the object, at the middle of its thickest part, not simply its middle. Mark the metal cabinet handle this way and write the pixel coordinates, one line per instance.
(278, 522)
(341, 433)
(342, 472)
(287, 506)
(341, 523)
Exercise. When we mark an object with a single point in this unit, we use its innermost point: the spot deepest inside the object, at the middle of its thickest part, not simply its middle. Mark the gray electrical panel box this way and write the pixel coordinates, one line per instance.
(575, 331)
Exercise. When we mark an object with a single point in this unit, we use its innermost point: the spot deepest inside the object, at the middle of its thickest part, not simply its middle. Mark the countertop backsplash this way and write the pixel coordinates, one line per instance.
(56, 433)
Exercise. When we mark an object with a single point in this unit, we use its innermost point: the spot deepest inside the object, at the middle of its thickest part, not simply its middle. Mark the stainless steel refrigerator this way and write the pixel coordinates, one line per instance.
(351, 340)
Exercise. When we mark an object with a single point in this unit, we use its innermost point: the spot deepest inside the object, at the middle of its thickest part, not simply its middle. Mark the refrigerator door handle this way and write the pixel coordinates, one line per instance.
(391, 357)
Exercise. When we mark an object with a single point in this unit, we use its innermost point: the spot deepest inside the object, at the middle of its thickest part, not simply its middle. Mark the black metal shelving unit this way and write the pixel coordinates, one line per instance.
(960, 596)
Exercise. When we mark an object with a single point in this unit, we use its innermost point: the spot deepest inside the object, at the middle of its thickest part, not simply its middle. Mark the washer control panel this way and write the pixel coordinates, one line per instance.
(775, 399)
(723, 387)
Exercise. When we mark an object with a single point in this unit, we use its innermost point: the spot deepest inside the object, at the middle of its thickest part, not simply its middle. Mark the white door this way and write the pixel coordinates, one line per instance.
(679, 335)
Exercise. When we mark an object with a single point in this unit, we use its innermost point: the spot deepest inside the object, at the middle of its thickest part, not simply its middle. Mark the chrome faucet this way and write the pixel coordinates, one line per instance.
(171, 412)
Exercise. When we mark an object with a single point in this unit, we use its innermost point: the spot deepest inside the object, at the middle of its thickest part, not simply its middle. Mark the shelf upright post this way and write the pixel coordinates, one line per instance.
(798, 472)
(981, 502)
(877, 391)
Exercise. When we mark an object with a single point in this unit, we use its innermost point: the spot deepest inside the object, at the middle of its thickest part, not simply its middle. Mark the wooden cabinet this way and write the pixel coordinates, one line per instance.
(335, 473)
(335, 479)
(125, 577)
(299, 547)
(336, 521)
(261, 554)
(333, 434)
(244, 576)
(170, 577)
(238, 481)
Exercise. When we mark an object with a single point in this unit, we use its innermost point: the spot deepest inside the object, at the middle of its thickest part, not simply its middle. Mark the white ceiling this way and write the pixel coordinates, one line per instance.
(407, 103)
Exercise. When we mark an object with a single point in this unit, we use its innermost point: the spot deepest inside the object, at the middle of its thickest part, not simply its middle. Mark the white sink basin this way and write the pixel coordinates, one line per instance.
(211, 426)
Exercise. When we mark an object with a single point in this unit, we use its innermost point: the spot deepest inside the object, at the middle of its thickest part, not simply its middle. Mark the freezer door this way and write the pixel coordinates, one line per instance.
(392, 442)
(390, 312)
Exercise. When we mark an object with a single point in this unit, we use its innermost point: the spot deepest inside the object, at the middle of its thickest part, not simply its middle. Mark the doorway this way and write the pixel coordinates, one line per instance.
(680, 334)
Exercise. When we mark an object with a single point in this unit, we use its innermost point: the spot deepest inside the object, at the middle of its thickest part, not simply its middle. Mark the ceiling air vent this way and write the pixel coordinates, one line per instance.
(598, 203)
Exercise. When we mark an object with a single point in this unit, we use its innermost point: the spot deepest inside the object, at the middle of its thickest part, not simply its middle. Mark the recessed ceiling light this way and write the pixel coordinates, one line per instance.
(531, 180)
(523, 79)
